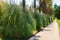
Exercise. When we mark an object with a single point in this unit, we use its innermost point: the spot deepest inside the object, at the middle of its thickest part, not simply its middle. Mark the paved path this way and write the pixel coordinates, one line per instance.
(48, 33)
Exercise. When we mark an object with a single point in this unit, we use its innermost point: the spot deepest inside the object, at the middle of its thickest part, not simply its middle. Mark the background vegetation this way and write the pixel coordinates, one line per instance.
(18, 22)
(57, 15)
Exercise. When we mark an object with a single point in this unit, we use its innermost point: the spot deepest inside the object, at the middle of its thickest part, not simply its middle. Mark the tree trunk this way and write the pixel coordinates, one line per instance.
(34, 6)
(24, 5)
(42, 6)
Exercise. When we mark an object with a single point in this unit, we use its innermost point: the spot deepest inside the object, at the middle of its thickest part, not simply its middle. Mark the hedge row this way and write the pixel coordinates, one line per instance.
(16, 23)
(42, 20)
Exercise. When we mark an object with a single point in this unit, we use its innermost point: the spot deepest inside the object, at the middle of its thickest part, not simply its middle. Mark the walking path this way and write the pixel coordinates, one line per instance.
(49, 33)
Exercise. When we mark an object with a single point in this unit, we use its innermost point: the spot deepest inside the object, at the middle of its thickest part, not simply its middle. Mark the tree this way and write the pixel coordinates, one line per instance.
(45, 6)
(35, 6)
(55, 6)
(42, 6)
(24, 5)
(49, 6)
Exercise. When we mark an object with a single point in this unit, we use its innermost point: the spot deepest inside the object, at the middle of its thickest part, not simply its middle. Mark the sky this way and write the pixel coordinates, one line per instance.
(56, 1)
(28, 2)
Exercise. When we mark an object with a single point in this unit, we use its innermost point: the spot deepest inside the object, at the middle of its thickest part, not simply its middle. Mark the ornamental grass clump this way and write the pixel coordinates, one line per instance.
(17, 23)
(39, 21)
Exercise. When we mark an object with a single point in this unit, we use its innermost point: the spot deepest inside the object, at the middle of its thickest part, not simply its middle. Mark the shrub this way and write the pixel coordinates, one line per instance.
(48, 19)
(39, 21)
(29, 25)
(18, 23)
(44, 21)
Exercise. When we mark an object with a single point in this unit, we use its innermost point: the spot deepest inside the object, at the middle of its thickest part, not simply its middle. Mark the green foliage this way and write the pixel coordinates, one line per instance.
(29, 25)
(39, 21)
(21, 24)
(44, 21)
(57, 12)
(17, 23)
(48, 19)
